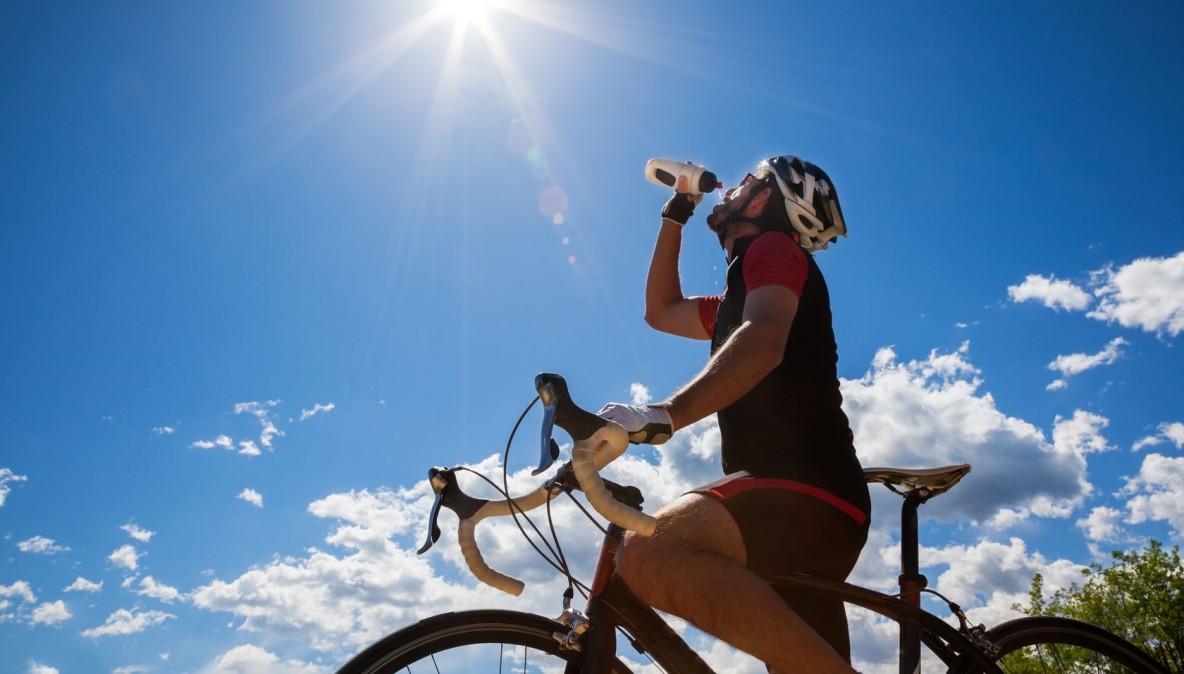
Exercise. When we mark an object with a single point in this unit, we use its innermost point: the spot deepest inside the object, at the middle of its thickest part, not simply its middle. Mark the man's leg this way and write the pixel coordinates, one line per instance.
(694, 567)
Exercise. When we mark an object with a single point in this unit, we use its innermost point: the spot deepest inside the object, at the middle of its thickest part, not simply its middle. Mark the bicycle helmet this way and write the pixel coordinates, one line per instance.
(811, 201)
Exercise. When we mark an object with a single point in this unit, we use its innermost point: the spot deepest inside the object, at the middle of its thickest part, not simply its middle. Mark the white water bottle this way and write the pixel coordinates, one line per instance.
(667, 171)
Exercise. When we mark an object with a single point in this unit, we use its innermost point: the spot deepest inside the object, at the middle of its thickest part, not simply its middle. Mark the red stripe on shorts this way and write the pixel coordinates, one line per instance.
(740, 485)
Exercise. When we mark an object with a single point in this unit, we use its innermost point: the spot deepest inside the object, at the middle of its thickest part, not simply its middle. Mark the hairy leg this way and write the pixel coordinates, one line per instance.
(694, 567)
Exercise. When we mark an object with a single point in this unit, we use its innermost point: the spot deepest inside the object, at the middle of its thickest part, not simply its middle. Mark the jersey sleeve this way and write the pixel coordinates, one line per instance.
(775, 260)
(708, 306)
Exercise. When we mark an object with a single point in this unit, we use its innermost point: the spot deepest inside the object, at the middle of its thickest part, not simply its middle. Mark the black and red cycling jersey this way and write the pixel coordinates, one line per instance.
(790, 427)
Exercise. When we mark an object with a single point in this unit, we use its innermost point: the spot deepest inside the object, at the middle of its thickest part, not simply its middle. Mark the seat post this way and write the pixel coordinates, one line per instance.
(911, 581)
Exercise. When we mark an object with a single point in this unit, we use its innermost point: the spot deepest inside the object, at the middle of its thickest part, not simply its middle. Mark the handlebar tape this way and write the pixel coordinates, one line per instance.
(468, 541)
(583, 464)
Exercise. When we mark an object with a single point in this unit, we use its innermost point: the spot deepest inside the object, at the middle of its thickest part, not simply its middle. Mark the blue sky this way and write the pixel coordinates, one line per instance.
(265, 263)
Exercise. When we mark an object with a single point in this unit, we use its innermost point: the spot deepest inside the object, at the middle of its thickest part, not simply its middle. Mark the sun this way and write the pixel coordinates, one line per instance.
(466, 10)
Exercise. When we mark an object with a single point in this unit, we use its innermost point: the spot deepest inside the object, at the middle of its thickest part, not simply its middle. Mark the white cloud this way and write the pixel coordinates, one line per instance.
(222, 441)
(123, 622)
(149, 587)
(640, 394)
(131, 669)
(163, 430)
(40, 545)
(316, 409)
(927, 413)
(262, 412)
(51, 613)
(19, 589)
(81, 584)
(251, 496)
(248, 448)
(345, 602)
(1076, 363)
(1081, 433)
(251, 659)
(142, 535)
(1147, 294)
(1172, 432)
(7, 476)
(38, 668)
(1051, 293)
(1104, 524)
(126, 557)
(1155, 493)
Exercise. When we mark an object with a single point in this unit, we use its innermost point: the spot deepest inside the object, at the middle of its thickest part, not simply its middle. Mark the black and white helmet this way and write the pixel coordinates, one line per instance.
(811, 201)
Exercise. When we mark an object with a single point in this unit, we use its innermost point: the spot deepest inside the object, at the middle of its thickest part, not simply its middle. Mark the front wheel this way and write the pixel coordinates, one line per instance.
(470, 641)
(1052, 644)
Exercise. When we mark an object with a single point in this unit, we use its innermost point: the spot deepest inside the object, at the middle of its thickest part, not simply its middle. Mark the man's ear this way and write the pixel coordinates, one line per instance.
(757, 205)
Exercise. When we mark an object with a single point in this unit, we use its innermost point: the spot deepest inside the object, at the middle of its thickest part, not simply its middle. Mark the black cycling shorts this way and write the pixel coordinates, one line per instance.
(791, 527)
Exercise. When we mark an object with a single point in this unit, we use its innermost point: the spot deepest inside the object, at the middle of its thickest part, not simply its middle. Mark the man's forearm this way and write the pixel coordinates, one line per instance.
(665, 306)
(663, 286)
(738, 366)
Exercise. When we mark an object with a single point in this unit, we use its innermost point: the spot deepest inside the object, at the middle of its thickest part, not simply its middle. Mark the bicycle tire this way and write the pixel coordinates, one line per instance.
(456, 638)
(1053, 644)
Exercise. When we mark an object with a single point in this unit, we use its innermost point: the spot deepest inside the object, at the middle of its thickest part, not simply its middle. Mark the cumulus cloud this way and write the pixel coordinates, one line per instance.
(262, 412)
(51, 613)
(1076, 363)
(1172, 432)
(39, 668)
(222, 441)
(7, 477)
(1051, 293)
(639, 393)
(81, 584)
(124, 622)
(138, 533)
(40, 545)
(150, 587)
(1104, 524)
(20, 590)
(316, 409)
(126, 557)
(1155, 493)
(929, 412)
(251, 659)
(251, 496)
(1147, 294)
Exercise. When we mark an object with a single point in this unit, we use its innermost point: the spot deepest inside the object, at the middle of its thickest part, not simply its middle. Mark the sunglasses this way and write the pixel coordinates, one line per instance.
(748, 178)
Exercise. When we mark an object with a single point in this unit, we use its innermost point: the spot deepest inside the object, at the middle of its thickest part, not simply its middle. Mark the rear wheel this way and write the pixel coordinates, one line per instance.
(1051, 644)
(470, 641)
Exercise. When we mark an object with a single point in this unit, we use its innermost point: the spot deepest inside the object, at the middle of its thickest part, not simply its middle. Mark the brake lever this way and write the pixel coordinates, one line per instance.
(449, 495)
(548, 448)
(560, 410)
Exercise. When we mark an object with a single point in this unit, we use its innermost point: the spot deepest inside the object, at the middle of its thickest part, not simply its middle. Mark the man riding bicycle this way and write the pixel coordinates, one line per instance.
(793, 498)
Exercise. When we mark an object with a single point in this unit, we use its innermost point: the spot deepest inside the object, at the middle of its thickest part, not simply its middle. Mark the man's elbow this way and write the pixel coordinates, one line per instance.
(656, 319)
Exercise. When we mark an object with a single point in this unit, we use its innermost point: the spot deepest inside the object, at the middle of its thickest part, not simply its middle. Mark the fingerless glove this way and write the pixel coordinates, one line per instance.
(680, 208)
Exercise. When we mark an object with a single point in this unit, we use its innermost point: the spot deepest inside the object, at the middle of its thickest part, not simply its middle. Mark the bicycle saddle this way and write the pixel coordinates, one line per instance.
(932, 481)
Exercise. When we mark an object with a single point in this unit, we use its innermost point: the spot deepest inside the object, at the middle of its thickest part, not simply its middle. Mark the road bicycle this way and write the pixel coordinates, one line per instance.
(587, 641)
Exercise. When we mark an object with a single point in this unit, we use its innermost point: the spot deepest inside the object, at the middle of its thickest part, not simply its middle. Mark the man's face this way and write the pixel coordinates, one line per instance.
(733, 201)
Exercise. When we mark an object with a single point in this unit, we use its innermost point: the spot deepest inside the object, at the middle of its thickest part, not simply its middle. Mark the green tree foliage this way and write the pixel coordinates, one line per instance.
(1140, 597)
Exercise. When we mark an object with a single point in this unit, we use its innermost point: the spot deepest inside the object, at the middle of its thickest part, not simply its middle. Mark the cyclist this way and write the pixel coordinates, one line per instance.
(793, 498)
